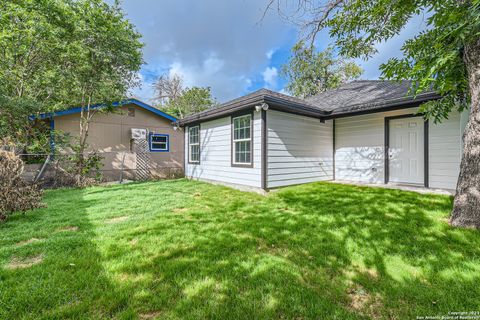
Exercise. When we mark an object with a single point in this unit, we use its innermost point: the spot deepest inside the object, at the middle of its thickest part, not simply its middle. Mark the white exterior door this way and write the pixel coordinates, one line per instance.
(406, 150)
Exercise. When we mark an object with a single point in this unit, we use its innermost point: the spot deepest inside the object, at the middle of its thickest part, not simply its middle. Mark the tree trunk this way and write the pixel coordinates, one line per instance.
(466, 207)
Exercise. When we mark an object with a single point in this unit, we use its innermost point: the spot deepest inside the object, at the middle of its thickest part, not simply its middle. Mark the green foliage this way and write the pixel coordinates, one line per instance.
(433, 58)
(75, 166)
(172, 97)
(309, 72)
(104, 53)
(200, 251)
(32, 37)
(56, 53)
(191, 100)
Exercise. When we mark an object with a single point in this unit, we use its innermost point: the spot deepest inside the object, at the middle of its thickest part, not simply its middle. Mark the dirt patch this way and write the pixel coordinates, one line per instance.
(150, 315)
(365, 303)
(117, 219)
(25, 242)
(17, 263)
(372, 274)
(68, 228)
(180, 210)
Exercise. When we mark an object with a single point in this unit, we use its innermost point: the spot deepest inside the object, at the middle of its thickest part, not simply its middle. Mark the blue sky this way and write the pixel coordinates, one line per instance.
(226, 45)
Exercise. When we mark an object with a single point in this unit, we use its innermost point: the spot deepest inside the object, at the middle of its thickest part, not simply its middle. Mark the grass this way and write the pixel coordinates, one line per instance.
(184, 249)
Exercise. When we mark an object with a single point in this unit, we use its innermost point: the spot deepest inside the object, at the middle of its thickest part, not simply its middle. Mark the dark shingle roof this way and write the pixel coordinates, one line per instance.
(351, 98)
(288, 103)
(368, 95)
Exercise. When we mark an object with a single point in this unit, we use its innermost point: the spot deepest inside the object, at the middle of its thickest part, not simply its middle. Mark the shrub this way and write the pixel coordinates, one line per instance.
(15, 193)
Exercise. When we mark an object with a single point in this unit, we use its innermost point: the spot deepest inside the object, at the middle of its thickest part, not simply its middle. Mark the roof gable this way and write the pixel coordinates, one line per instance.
(136, 102)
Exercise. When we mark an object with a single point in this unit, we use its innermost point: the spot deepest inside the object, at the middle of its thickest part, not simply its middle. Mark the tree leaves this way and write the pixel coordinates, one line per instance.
(172, 97)
(309, 72)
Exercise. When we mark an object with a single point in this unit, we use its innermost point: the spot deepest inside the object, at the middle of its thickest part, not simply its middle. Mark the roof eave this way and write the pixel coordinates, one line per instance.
(274, 103)
(387, 106)
(134, 101)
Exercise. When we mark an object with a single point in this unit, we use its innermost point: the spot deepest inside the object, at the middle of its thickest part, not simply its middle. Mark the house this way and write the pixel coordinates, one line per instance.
(136, 140)
(364, 131)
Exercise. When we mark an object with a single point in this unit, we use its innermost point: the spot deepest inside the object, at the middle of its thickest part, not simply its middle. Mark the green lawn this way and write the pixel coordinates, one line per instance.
(183, 249)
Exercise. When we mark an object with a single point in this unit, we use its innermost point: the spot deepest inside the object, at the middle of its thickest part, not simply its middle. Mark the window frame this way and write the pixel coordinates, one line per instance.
(150, 142)
(197, 143)
(232, 140)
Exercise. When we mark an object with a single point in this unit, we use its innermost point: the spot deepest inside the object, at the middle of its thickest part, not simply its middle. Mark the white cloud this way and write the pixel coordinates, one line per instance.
(270, 75)
(207, 42)
(270, 53)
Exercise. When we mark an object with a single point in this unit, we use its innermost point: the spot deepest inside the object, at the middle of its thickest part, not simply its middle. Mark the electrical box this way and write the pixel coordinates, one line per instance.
(139, 134)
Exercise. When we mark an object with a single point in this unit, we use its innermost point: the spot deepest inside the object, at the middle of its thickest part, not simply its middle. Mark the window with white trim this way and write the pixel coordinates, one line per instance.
(159, 142)
(194, 144)
(242, 140)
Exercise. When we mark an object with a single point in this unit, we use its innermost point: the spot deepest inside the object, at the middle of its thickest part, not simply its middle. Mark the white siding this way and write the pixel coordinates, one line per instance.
(446, 151)
(359, 148)
(215, 154)
(300, 149)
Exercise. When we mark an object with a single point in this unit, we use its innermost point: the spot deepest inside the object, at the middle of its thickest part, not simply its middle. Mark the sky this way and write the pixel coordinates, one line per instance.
(226, 45)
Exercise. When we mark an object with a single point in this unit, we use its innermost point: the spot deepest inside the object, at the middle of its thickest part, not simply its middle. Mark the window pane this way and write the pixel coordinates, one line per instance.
(242, 152)
(162, 146)
(195, 153)
(246, 133)
(158, 143)
(159, 139)
(241, 127)
(193, 135)
(241, 131)
(247, 146)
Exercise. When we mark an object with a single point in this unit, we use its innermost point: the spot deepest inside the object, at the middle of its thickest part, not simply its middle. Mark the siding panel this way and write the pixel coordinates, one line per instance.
(300, 149)
(359, 146)
(445, 152)
(359, 150)
(215, 154)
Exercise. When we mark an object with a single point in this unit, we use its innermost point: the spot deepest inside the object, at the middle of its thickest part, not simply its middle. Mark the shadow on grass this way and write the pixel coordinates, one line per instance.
(192, 250)
(70, 281)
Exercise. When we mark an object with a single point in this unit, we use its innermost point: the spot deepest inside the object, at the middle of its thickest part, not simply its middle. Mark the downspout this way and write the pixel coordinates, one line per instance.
(52, 137)
(264, 144)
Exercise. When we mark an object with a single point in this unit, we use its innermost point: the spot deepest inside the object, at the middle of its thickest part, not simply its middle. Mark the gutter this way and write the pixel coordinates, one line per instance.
(381, 107)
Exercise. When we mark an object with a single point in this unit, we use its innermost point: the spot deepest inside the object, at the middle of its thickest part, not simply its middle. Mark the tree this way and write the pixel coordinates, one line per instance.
(309, 72)
(105, 56)
(192, 100)
(168, 88)
(32, 66)
(176, 100)
(445, 56)
(55, 54)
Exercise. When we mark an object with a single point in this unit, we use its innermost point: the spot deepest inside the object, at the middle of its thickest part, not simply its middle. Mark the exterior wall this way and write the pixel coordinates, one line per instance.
(359, 148)
(215, 154)
(446, 151)
(300, 149)
(110, 134)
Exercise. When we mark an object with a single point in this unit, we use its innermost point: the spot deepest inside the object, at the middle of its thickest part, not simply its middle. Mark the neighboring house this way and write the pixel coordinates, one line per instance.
(153, 151)
(365, 131)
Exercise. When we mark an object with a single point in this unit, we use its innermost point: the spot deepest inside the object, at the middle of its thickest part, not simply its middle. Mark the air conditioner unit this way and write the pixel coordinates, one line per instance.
(139, 134)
